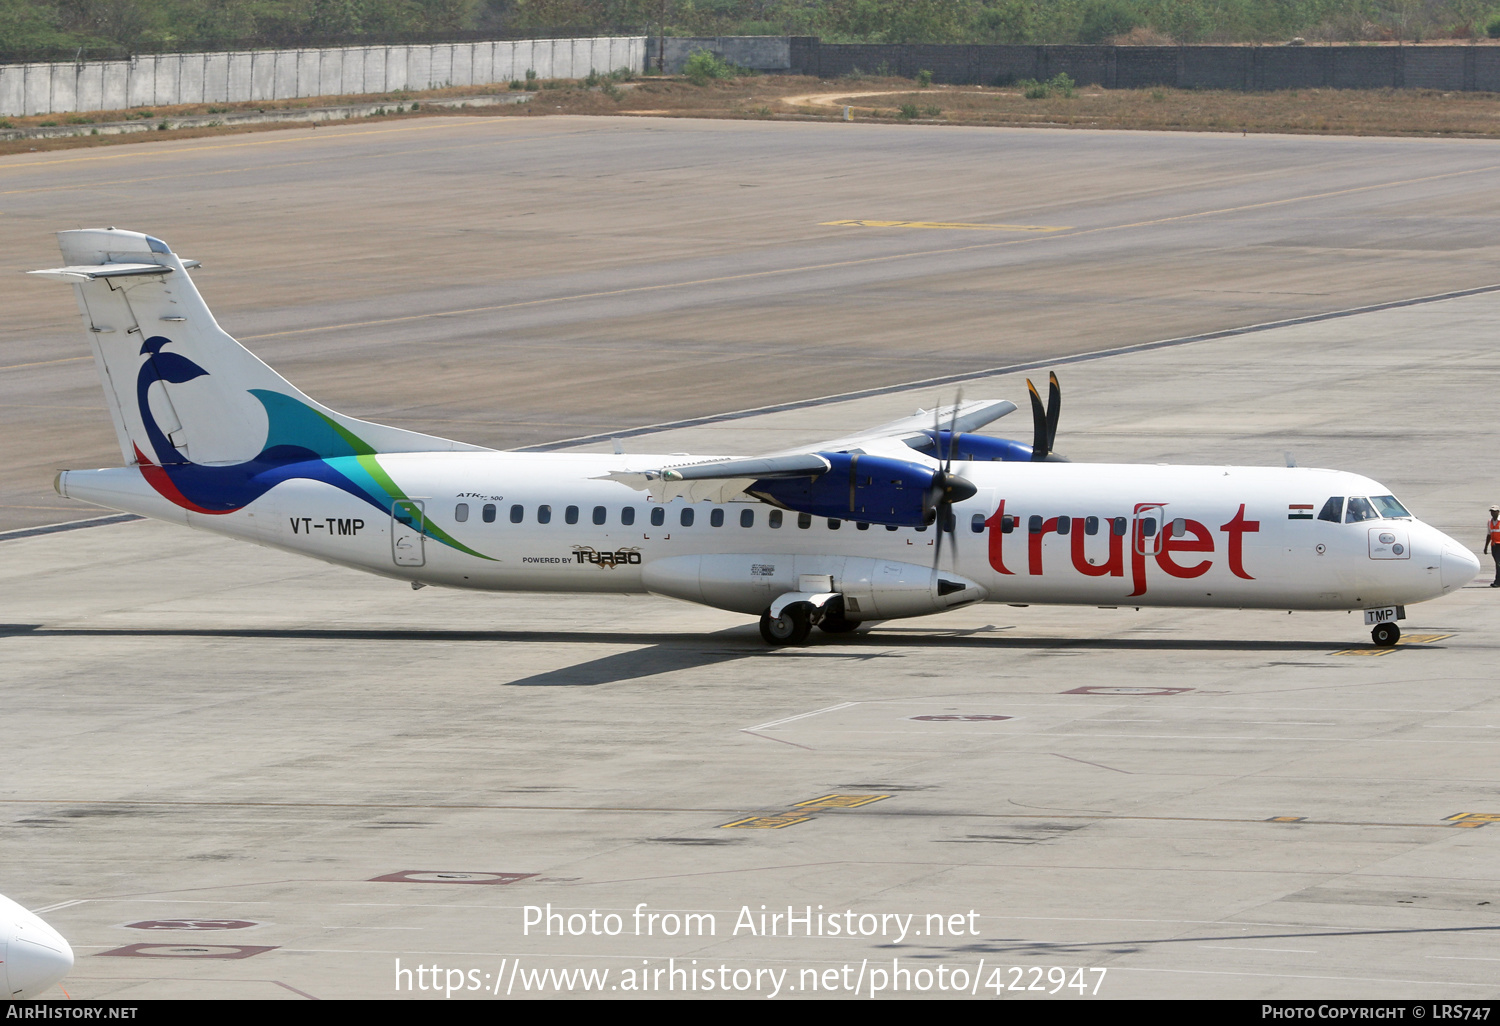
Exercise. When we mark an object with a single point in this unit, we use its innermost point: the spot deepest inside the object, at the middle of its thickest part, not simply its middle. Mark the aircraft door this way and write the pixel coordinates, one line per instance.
(406, 532)
(1147, 531)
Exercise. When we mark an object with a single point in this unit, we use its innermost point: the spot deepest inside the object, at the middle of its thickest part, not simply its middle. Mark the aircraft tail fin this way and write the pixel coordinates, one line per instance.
(182, 390)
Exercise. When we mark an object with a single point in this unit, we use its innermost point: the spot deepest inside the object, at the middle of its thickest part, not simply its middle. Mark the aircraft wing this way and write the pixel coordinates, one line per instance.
(917, 429)
(724, 478)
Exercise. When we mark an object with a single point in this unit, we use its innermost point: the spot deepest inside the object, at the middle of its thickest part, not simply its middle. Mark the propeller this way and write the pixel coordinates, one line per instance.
(947, 487)
(1044, 422)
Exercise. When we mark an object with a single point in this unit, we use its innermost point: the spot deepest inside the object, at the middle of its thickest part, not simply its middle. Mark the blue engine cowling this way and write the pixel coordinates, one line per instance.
(871, 489)
(979, 449)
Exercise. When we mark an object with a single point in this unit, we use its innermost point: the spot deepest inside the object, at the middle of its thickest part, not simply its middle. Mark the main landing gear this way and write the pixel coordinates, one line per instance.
(790, 628)
(1386, 634)
(796, 622)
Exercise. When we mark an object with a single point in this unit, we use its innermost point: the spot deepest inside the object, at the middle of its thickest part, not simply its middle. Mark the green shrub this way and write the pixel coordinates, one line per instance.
(1058, 85)
(932, 112)
(1493, 29)
(530, 75)
(908, 112)
(1105, 18)
(702, 66)
(593, 78)
(924, 79)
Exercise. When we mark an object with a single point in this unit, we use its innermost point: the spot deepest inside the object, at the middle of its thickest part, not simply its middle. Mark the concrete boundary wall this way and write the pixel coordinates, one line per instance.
(153, 80)
(1457, 68)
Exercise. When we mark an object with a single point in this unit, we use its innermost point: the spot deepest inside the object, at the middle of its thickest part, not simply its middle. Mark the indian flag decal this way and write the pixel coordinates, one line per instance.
(1299, 511)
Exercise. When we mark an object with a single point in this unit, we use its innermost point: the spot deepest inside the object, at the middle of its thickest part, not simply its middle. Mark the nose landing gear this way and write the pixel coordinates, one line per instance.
(1386, 634)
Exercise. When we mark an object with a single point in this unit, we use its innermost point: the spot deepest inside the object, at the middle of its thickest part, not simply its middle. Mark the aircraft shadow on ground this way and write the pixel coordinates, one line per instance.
(657, 653)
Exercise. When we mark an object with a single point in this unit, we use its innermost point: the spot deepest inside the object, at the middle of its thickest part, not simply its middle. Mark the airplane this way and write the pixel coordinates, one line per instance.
(33, 956)
(914, 517)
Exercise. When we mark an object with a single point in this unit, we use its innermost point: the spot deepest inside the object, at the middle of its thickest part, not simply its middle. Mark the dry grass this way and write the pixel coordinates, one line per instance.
(1317, 111)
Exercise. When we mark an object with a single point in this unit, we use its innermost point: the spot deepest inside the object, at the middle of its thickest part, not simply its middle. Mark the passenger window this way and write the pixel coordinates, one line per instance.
(599, 515)
(487, 514)
(517, 513)
(627, 515)
(747, 518)
(804, 520)
(774, 519)
(861, 526)
(1064, 525)
(834, 525)
(1090, 526)
(1118, 526)
(922, 527)
(461, 512)
(571, 514)
(544, 514)
(1007, 524)
(1333, 510)
(686, 517)
(1034, 525)
(1359, 509)
(716, 518)
(1179, 527)
(892, 527)
(658, 516)
(1148, 527)
(976, 523)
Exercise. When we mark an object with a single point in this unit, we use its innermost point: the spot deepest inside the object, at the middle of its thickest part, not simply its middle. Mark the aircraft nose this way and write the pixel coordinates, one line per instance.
(1460, 566)
(36, 956)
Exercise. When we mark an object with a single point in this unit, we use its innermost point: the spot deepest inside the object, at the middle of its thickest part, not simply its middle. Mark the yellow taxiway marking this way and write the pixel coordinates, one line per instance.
(1472, 820)
(766, 822)
(1410, 639)
(951, 224)
(839, 801)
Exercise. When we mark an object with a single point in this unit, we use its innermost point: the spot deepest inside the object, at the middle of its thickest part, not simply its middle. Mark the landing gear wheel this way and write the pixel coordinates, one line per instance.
(1386, 634)
(790, 628)
(837, 624)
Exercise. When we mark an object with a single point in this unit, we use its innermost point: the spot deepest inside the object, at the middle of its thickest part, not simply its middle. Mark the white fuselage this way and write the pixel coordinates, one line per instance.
(1137, 535)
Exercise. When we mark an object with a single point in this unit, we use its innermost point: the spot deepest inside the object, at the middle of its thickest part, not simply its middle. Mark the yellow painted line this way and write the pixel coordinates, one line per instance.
(278, 140)
(865, 261)
(45, 363)
(1472, 818)
(766, 822)
(840, 801)
(1410, 639)
(1286, 819)
(950, 224)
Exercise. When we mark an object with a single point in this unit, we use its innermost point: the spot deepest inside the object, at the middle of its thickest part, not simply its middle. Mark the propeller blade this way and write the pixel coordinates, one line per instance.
(953, 430)
(1054, 409)
(1039, 441)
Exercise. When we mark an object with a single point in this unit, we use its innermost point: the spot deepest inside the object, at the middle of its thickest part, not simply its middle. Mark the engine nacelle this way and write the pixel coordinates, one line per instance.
(872, 489)
(872, 589)
(978, 449)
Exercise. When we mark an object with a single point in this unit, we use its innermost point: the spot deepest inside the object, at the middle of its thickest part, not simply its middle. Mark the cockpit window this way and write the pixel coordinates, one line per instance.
(1359, 509)
(1333, 510)
(1388, 507)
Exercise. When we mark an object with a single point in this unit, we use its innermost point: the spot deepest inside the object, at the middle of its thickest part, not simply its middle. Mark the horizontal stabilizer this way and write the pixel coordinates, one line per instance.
(88, 272)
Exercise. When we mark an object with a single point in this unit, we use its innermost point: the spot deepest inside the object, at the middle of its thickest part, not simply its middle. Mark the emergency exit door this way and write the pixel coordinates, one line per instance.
(407, 521)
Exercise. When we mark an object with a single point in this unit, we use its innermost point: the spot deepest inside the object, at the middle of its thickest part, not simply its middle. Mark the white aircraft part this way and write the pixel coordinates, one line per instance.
(1092, 534)
(33, 956)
